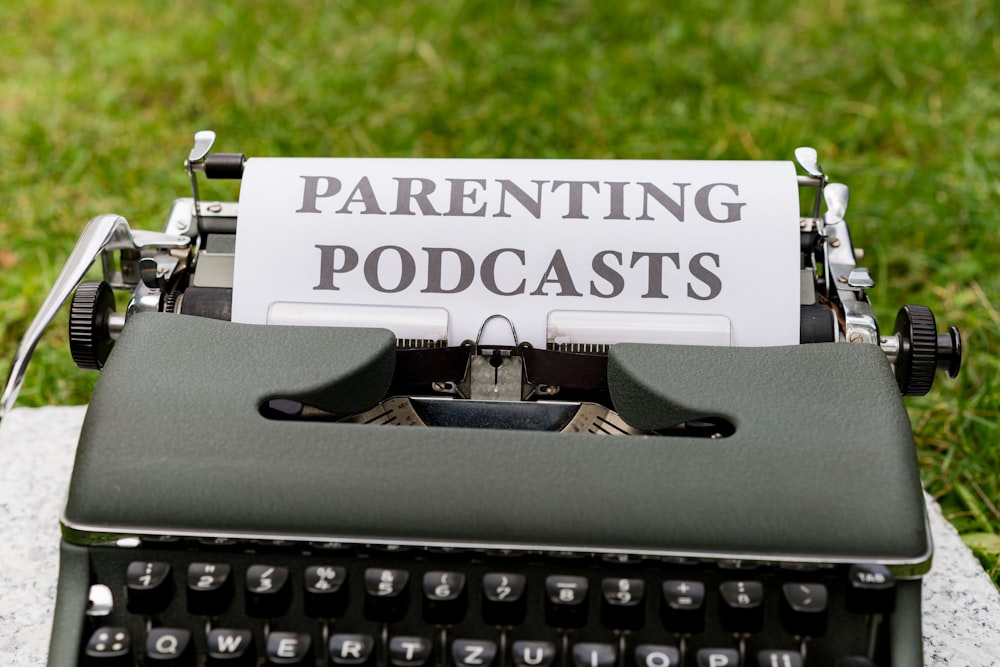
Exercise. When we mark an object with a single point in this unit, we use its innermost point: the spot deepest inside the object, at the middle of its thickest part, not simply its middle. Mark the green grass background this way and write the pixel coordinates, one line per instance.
(99, 101)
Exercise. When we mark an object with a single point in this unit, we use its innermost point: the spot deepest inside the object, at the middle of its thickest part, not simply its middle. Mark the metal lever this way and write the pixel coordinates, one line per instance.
(105, 232)
(808, 159)
(203, 141)
(837, 197)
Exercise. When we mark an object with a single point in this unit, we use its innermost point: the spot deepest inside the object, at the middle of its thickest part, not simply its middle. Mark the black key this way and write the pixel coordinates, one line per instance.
(268, 592)
(209, 588)
(218, 542)
(657, 655)
(798, 567)
(737, 564)
(169, 646)
(779, 659)
(871, 589)
(148, 586)
(326, 594)
(803, 609)
(718, 657)
(386, 594)
(503, 598)
(444, 597)
(231, 648)
(346, 649)
(587, 654)
(623, 603)
(682, 607)
(566, 601)
(109, 645)
(533, 654)
(742, 606)
(289, 648)
(622, 559)
(473, 652)
(409, 651)
(854, 661)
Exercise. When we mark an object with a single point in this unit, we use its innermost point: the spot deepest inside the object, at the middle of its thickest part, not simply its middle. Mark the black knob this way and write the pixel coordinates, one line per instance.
(922, 350)
(89, 335)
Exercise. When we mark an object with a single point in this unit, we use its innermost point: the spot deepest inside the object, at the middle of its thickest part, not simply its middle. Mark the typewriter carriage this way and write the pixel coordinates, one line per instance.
(187, 269)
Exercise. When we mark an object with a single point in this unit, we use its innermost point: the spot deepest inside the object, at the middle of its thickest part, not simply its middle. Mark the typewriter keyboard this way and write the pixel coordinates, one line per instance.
(324, 605)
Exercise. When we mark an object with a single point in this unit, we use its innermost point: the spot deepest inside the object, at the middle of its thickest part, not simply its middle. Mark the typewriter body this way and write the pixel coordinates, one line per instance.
(239, 497)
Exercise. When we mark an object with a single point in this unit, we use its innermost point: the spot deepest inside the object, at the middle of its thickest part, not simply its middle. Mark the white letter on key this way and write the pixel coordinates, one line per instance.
(350, 648)
(473, 655)
(286, 647)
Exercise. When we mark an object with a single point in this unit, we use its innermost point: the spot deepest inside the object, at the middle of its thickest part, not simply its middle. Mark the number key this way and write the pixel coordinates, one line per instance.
(503, 598)
(268, 591)
(386, 594)
(566, 601)
(444, 597)
(149, 586)
(209, 588)
(326, 594)
(623, 603)
(742, 606)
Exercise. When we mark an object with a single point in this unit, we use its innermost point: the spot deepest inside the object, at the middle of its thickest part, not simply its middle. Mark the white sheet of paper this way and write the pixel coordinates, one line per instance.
(522, 238)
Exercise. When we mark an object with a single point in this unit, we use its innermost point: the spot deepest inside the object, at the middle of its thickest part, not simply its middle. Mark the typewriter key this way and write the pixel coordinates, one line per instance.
(386, 594)
(409, 651)
(718, 657)
(326, 594)
(566, 601)
(148, 586)
(169, 646)
(209, 588)
(871, 590)
(855, 661)
(533, 654)
(803, 609)
(503, 598)
(444, 597)
(623, 603)
(289, 648)
(742, 606)
(473, 652)
(268, 592)
(657, 655)
(682, 607)
(110, 646)
(594, 655)
(779, 659)
(354, 650)
(230, 648)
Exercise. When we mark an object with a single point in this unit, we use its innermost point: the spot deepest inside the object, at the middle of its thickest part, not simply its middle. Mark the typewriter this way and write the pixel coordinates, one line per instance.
(238, 497)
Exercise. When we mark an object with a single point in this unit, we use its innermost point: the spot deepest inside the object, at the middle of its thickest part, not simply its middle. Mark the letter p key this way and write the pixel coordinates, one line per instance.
(718, 657)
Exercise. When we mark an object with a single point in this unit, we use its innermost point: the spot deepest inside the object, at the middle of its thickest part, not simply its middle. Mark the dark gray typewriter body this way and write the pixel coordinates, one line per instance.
(239, 497)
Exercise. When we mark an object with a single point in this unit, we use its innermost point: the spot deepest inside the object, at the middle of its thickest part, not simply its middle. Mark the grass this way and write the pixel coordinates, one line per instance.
(99, 100)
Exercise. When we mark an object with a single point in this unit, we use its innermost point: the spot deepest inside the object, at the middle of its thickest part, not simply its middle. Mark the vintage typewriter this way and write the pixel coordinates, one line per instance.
(238, 499)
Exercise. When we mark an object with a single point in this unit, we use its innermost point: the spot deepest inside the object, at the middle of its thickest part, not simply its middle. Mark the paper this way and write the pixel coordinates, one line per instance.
(449, 243)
